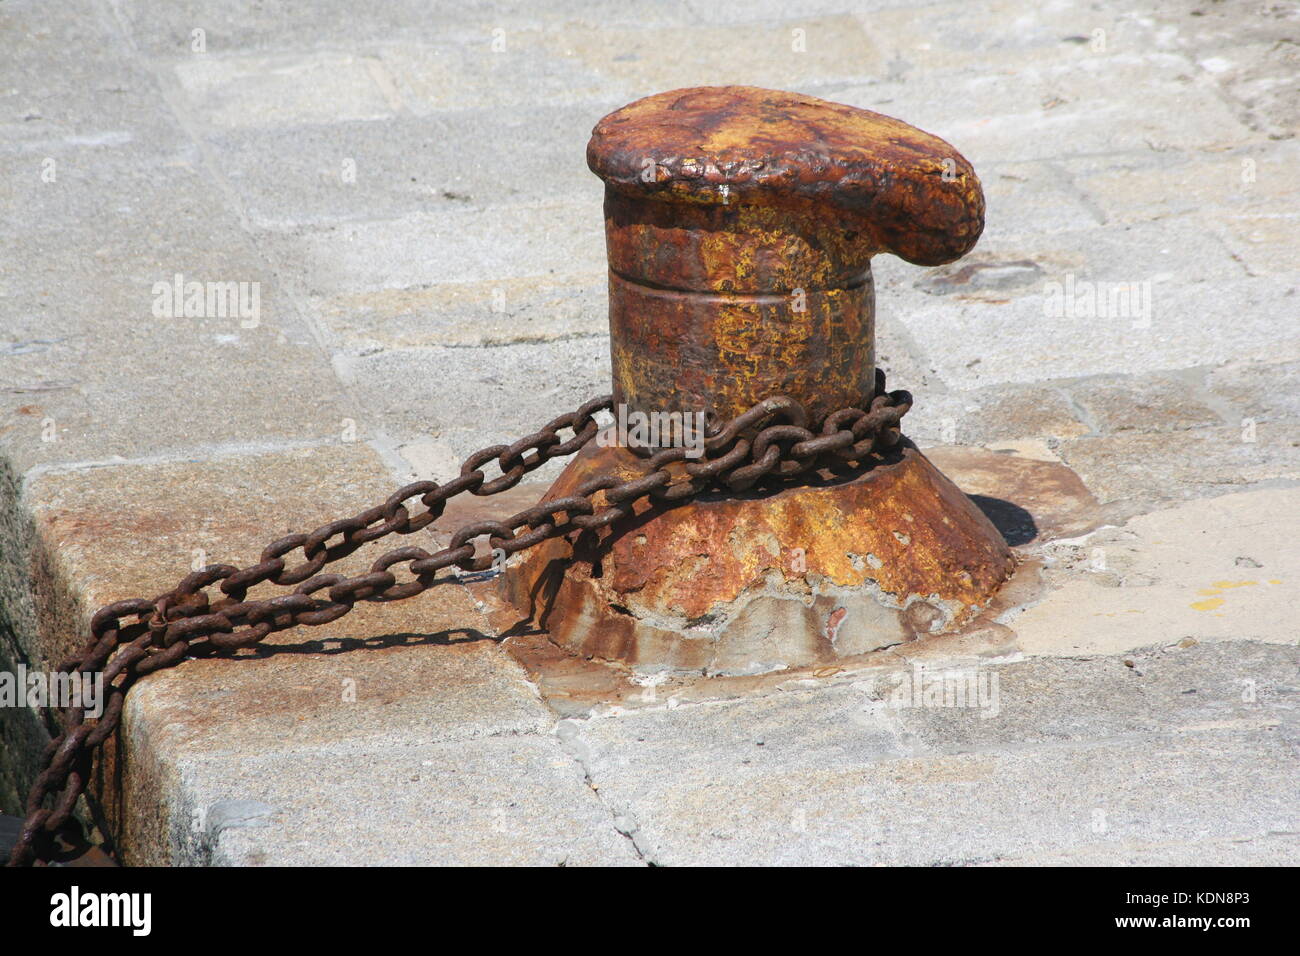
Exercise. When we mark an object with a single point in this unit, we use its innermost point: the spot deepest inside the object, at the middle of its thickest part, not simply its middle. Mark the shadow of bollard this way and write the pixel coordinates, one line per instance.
(1014, 523)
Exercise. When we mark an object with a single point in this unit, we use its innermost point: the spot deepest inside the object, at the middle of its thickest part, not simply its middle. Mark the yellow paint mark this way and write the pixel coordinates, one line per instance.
(1221, 586)
(1207, 605)
(1274, 580)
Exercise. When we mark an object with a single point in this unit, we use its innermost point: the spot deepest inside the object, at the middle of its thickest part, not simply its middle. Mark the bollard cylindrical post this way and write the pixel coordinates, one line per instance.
(741, 225)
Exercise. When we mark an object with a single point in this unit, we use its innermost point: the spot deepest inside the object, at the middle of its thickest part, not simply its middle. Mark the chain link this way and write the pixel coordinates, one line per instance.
(188, 622)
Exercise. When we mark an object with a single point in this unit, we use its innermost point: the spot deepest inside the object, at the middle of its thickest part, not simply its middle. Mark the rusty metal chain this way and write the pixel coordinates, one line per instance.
(187, 622)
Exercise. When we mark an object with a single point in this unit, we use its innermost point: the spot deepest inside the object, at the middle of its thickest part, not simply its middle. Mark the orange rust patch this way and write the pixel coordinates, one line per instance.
(914, 194)
(901, 527)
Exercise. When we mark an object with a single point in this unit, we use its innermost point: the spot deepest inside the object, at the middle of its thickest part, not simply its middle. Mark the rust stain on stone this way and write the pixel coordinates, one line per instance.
(834, 621)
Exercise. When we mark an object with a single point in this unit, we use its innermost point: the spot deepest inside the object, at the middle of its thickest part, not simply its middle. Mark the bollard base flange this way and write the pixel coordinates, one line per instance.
(790, 577)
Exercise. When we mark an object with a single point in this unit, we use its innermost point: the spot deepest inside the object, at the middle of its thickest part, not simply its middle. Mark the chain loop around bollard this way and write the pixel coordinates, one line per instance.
(187, 622)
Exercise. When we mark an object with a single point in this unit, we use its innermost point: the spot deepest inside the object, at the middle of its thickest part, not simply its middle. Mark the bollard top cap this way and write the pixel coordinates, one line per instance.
(715, 145)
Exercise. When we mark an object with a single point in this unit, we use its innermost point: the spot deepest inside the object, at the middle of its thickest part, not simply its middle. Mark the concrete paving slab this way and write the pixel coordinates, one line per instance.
(1148, 404)
(1189, 25)
(136, 530)
(962, 36)
(813, 779)
(501, 801)
(1185, 464)
(163, 29)
(96, 364)
(1173, 688)
(73, 540)
(453, 245)
(460, 314)
(114, 194)
(904, 364)
(1265, 242)
(69, 79)
(1263, 391)
(251, 90)
(345, 171)
(468, 399)
(1161, 185)
(779, 10)
(1221, 569)
(982, 416)
(423, 673)
(1065, 271)
(484, 74)
(1028, 198)
(93, 545)
(1247, 73)
(1281, 849)
(1063, 102)
(799, 52)
(1185, 330)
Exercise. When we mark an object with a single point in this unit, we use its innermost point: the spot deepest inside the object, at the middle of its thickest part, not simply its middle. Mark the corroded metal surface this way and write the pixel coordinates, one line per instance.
(690, 351)
(801, 575)
(741, 223)
(911, 193)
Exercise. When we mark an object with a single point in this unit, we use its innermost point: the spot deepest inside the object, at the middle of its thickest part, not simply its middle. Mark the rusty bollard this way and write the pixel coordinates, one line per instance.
(740, 224)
